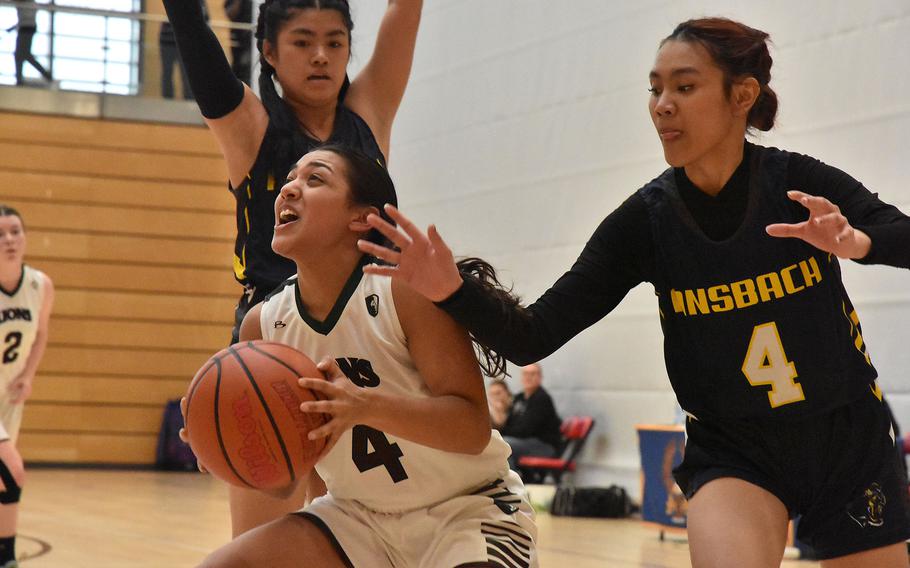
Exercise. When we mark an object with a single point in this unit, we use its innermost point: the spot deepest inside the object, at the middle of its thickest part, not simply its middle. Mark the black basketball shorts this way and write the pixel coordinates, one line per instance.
(840, 470)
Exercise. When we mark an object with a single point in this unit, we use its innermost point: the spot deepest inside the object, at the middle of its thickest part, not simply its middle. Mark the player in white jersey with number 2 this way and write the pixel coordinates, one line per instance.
(415, 475)
(26, 297)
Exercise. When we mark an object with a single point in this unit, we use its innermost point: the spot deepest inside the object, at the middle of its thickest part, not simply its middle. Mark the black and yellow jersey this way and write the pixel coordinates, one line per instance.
(753, 325)
(254, 261)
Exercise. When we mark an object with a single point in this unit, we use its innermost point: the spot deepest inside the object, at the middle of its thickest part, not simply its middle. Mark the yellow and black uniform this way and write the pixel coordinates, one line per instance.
(766, 353)
(218, 92)
(256, 266)
(743, 317)
(762, 345)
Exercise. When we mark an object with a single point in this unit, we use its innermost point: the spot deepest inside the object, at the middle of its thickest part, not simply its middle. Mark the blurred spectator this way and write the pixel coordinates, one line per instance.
(500, 400)
(240, 12)
(532, 428)
(27, 27)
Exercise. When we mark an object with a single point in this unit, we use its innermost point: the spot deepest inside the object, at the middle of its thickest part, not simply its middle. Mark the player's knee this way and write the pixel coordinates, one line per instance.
(16, 469)
(19, 475)
(11, 495)
(12, 473)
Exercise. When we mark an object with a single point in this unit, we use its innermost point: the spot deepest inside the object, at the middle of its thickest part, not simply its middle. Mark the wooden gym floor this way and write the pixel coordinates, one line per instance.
(142, 519)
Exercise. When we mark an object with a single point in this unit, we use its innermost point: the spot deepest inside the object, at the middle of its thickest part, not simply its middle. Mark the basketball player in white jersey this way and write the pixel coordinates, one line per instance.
(415, 476)
(26, 297)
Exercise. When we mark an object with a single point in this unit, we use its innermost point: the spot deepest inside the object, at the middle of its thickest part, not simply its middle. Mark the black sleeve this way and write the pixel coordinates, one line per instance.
(216, 89)
(618, 257)
(885, 224)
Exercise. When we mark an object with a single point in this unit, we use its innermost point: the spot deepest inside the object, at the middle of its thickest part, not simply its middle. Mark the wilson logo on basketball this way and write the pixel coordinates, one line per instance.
(259, 460)
(291, 401)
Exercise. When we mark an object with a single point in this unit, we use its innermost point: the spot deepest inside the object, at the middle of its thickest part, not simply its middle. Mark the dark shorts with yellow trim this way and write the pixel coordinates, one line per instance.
(841, 471)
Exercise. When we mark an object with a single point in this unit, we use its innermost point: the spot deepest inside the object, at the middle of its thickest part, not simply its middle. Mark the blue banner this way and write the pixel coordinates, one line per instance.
(662, 449)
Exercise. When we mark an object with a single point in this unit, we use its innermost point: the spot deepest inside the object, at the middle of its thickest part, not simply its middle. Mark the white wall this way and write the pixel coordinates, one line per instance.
(525, 123)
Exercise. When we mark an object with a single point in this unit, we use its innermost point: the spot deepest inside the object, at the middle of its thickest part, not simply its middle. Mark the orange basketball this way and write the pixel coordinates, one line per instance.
(243, 415)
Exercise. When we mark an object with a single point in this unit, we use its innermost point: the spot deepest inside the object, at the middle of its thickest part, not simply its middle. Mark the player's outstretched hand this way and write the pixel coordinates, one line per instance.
(423, 260)
(345, 403)
(826, 228)
(185, 436)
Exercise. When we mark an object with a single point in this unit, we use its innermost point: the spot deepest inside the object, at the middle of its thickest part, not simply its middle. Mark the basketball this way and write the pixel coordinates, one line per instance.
(243, 415)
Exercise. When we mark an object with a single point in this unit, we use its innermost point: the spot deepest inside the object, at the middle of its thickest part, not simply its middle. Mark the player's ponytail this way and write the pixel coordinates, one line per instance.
(484, 275)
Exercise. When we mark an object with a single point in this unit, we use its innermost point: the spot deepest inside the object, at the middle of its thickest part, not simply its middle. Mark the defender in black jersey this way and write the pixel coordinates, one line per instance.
(759, 303)
(762, 345)
(305, 46)
(256, 266)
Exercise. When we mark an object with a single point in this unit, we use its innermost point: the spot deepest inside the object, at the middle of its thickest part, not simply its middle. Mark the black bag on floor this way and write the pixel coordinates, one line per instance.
(607, 502)
(173, 453)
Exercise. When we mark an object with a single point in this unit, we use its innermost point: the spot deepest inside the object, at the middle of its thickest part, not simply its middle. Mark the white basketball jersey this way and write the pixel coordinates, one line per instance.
(20, 311)
(363, 334)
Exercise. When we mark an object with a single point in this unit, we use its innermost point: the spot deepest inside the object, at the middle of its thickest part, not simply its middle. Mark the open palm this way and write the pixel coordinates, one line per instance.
(826, 228)
(422, 260)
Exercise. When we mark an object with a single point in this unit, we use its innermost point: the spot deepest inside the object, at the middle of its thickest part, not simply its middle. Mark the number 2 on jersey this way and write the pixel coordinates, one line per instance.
(13, 339)
(767, 364)
(383, 454)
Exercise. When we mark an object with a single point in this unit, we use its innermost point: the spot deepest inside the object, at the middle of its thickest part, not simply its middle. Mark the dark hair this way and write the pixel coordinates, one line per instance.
(483, 275)
(7, 211)
(740, 51)
(291, 141)
(369, 181)
(370, 184)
